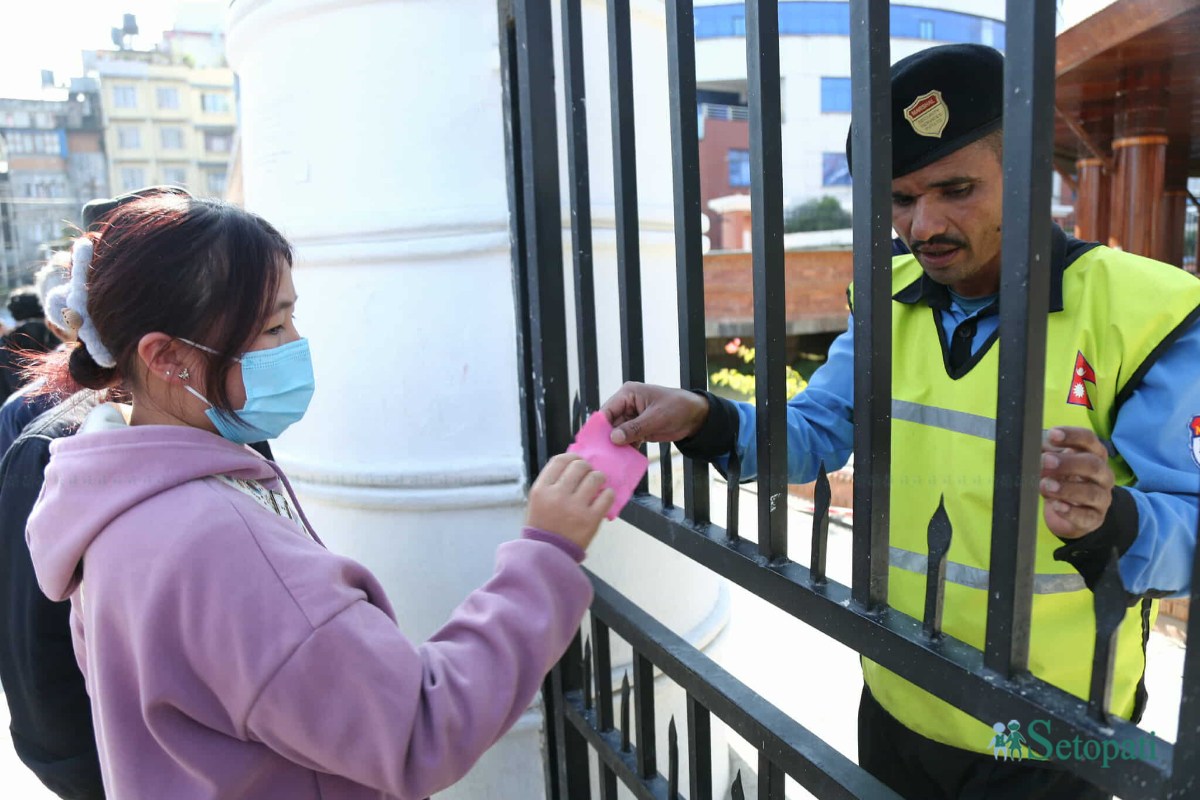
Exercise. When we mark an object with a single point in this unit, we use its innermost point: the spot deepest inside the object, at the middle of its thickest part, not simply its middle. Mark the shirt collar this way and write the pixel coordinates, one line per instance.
(1064, 250)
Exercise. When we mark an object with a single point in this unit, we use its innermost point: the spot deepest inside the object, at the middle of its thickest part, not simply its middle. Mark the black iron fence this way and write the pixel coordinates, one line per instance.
(584, 717)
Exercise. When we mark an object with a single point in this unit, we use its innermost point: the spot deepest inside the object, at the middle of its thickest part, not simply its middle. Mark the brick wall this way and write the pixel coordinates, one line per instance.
(815, 283)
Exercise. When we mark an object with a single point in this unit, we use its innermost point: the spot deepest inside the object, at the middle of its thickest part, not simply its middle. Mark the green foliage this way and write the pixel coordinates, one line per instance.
(743, 383)
(823, 214)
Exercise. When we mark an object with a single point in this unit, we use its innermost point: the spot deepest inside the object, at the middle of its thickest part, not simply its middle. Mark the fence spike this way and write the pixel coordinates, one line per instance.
(1110, 601)
(938, 547)
(587, 674)
(822, 497)
(668, 480)
(672, 761)
(737, 792)
(625, 713)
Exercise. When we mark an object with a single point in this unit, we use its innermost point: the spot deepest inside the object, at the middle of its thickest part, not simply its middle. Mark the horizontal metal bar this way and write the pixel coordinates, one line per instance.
(948, 668)
(796, 750)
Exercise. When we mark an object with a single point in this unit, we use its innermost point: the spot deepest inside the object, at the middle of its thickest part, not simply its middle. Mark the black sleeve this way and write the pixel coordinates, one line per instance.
(1089, 554)
(718, 435)
(51, 714)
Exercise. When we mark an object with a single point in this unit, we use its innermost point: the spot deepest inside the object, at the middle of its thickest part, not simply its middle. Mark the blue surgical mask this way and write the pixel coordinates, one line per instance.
(279, 384)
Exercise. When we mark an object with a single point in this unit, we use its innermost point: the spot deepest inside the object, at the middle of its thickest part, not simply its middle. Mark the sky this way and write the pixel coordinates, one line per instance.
(50, 34)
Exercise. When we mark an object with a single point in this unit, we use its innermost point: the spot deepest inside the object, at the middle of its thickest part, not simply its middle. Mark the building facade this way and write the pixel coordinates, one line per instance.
(53, 162)
(165, 122)
(815, 87)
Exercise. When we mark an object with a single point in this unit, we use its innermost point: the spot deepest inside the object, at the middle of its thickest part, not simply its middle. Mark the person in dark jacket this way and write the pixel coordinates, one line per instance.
(30, 336)
(51, 714)
(28, 403)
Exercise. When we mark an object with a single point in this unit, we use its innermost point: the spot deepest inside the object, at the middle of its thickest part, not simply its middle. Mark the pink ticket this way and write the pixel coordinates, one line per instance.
(622, 465)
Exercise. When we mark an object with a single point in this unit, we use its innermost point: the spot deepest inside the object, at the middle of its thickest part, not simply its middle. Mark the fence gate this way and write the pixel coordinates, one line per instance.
(583, 715)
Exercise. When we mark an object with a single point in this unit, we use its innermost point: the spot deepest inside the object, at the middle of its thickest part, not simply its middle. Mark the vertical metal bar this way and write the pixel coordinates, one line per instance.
(1185, 766)
(665, 471)
(573, 756)
(543, 221)
(822, 497)
(733, 495)
(1111, 603)
(766, 199)
(581, 204)
(1024, 301)
(770, 779)
(700, 786)
(604, 699)
(516, 180)
(871, 136)
(672, 761)
(629, 270)
(937, 545)
(643, 700)
(689, 255)
(588, 701)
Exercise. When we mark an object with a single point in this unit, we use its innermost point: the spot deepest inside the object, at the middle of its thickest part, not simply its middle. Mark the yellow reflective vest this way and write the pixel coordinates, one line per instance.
(1119, 308)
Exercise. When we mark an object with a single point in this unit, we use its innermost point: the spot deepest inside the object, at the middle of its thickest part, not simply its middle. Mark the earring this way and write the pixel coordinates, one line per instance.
(183, 374)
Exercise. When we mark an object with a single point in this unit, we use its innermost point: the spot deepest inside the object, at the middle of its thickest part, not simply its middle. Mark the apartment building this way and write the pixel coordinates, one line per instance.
(165, 121)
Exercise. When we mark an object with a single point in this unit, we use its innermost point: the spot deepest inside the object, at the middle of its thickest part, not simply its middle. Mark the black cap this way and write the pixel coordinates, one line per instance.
(97, 208)
(943, 99)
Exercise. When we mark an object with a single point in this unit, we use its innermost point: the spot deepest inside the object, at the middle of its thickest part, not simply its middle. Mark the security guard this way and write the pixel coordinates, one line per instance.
(1120, 463)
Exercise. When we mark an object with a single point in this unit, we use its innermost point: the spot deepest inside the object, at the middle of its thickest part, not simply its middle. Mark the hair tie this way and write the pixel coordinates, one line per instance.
(74, 312)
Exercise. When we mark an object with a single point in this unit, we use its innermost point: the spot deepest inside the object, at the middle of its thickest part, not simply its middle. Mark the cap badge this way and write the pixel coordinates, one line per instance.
(928, 114)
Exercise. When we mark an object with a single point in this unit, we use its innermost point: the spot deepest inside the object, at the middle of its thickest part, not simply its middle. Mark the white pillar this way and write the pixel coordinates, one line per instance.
(372, 135)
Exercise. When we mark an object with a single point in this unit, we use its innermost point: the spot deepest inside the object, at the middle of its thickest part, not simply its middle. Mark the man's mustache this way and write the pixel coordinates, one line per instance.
(936, 241)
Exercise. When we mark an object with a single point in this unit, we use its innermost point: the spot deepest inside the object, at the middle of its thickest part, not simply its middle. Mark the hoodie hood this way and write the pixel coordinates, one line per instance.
(108, 468)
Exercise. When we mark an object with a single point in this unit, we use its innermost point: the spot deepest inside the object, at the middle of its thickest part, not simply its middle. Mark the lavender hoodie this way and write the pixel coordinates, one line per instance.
(228, 655)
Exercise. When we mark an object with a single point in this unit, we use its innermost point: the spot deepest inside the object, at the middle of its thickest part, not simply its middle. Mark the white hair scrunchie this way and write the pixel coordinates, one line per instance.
(74, 312)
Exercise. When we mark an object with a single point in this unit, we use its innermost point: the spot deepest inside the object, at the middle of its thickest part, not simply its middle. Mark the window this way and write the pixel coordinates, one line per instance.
(171, 138)
(25, 143)
(739, 168)
(214, 103)
(216, 183)
(834, 170)
(835, 95)
(132, 178)
(218, 142)
(176, 176)
(925, 29)
(168, 97)
(129, 137)
(125, 96)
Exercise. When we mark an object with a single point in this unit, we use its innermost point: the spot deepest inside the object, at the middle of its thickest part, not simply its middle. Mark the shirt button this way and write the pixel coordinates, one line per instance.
(964, 332)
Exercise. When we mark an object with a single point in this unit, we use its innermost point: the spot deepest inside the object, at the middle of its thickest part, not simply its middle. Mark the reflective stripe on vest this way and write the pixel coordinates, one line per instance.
(976, 578)
(956, 421)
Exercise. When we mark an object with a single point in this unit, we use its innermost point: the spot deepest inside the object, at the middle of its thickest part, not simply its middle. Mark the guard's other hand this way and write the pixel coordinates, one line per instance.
(1076, 481)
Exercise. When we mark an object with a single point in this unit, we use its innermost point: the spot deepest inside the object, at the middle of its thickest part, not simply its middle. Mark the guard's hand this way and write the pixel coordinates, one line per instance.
(569, 498)
(1076, 481)
(643, 412)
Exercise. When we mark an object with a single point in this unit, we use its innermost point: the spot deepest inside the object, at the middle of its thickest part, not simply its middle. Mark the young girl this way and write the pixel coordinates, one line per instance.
(227, 653)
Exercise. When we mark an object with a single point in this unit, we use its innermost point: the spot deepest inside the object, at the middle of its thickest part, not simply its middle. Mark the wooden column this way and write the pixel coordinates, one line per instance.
(1092, 200)
(1137, 196)
(1169, 248)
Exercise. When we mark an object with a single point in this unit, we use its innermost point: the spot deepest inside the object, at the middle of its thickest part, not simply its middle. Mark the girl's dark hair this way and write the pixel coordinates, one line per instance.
(191, 268)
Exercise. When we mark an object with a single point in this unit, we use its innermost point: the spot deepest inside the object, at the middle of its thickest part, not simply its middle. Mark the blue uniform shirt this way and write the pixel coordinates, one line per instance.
(1151, 433)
